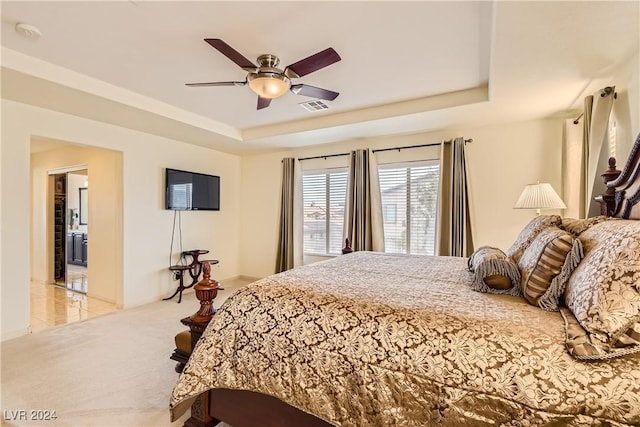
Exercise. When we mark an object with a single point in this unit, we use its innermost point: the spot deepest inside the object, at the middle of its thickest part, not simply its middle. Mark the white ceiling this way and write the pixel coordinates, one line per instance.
(406, 66)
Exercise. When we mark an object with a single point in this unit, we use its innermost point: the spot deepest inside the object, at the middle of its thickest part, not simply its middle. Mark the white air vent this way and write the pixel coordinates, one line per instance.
(314, 106)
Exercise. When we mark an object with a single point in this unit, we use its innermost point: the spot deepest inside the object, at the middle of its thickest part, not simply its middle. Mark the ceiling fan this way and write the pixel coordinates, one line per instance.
(269, 82)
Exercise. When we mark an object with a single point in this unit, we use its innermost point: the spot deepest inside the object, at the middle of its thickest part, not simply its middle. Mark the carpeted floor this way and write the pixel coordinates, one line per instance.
(112, 370)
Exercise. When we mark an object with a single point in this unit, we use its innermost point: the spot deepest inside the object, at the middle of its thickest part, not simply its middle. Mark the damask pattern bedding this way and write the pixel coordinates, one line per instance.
(371, 339)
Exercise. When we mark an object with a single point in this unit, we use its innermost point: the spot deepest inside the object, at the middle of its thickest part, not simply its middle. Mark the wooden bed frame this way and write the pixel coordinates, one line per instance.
(240, 408)
(623, 188)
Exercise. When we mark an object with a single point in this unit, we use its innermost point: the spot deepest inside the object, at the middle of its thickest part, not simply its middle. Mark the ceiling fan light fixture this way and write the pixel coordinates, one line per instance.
(269, 85)
(269, 82)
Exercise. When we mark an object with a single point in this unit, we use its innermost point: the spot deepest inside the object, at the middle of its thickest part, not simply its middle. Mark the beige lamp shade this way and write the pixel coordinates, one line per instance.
(539, 196)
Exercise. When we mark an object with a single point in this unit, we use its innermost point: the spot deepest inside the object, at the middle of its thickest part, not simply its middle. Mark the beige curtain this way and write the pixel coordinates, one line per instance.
(290, 231)
(573, 171)
(585, 155)
(584, 164)
(364, 226)
(598, 148)
(454, 221)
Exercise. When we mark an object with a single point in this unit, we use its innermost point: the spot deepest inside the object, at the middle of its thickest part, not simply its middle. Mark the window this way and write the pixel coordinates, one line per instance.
(409, 201)
(389, 213)
(324, 194)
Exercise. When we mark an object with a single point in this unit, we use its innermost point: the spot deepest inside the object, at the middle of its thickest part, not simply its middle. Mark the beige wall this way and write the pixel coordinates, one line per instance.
(14, 225)
(502, 160)
(145, 224)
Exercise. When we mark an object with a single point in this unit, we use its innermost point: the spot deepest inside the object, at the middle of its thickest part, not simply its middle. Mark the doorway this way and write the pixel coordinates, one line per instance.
(105, 208)
(71, 230)
(51, 304)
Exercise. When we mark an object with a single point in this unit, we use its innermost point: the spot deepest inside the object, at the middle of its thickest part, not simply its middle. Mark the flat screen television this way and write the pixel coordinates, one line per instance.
(191, 191)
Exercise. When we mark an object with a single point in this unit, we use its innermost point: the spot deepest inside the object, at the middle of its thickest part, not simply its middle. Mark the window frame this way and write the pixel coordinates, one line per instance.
(327, 172)
(408, 216)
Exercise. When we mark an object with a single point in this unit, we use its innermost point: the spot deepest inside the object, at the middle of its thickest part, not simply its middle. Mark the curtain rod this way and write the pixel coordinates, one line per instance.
(324, 157)
(383, 149)
(577, 120)
(418, 146)
(606, 91)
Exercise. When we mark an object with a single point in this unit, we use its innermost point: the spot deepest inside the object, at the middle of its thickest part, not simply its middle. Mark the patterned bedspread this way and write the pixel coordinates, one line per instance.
(371, 339)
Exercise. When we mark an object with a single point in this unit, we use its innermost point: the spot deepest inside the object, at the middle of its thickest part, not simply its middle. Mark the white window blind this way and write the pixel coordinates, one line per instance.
(409, 201)
(324, 194)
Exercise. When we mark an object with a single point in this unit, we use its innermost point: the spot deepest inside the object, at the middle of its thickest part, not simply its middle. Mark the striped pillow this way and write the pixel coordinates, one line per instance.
(546, 265)
(528, 233)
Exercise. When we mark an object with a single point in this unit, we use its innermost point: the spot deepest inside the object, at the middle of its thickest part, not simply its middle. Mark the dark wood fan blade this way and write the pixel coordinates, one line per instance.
(263, 102)
(216, 84)
(314, 92)
(232, 54)
(312, 63)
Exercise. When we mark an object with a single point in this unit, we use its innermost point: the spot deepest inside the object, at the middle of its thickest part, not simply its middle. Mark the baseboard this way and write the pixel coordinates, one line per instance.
(15, 334)
(243, 277)
(102, 298)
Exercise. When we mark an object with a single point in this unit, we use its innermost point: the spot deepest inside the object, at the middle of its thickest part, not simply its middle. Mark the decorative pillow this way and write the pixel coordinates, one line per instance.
(583, 346)
(578, 226)
(604, 291)
(546, 265)
(529, 233)
(494, 272)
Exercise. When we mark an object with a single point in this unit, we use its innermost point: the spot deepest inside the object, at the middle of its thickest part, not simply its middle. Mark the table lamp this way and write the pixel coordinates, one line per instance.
(539, 196)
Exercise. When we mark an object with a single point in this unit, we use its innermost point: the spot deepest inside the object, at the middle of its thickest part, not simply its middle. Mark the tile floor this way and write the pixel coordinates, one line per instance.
(53, 305)
(77, 278)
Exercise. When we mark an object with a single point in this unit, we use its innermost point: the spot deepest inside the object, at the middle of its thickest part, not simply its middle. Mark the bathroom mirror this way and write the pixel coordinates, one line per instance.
(84, 206)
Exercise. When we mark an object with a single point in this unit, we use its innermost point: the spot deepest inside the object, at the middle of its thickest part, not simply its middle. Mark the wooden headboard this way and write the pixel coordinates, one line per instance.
(622, 198)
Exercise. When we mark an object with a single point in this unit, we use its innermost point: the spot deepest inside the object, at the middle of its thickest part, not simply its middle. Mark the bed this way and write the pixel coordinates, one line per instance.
(372, 339)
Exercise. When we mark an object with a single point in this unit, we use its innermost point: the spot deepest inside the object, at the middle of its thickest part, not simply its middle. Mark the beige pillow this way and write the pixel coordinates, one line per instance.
(526, 236)
(578, 226)
(546, 265)
(604, 291)
(499, 281)
(584, 346)
(494, 272)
